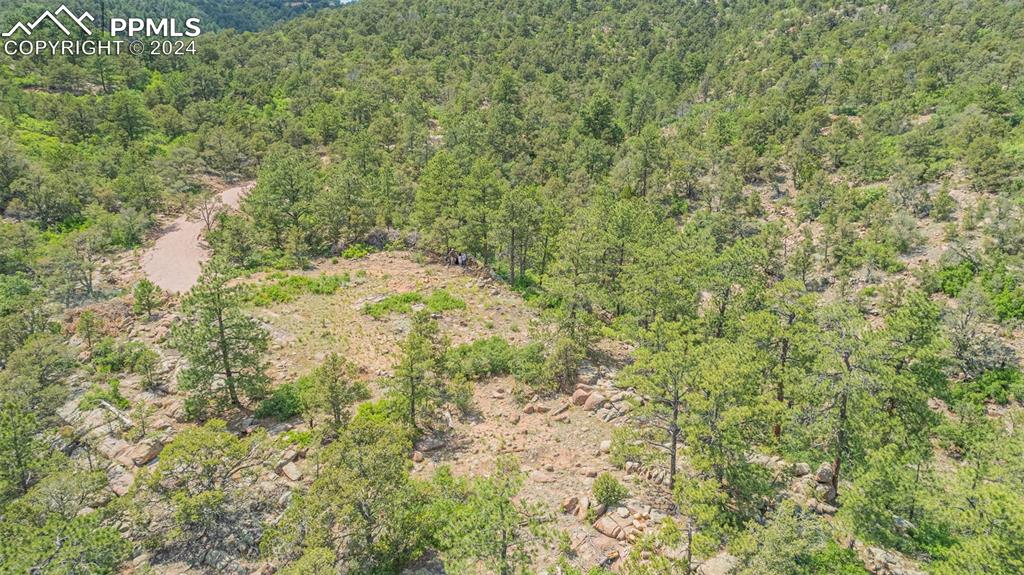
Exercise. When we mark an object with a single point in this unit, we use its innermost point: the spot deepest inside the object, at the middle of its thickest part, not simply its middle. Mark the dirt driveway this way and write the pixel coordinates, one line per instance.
(175, 261)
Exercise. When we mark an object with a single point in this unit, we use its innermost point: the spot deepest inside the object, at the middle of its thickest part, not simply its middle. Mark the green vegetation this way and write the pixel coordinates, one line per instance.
(111, 393)
(356, 251)
(282, 404)
(146, 297)
(401, 303)
(441, 301)
(437, 302)
(482, 358)
(608, 491)
(284, 288)
(224, 347)
(333, 388)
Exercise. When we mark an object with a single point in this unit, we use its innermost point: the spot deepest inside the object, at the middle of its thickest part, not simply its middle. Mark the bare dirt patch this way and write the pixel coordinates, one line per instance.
(175, 261)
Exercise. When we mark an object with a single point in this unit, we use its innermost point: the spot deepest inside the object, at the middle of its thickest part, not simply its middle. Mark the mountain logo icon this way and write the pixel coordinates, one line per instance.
(52, 17)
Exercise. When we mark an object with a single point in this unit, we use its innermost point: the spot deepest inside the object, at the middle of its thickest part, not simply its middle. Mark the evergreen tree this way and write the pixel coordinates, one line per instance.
(418, 381)
(147, 297)
(333, 387)
(224, 348)
(493, 529)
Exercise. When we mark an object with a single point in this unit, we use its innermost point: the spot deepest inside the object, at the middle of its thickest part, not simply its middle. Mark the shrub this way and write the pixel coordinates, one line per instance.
(998, 385)
(382, 411)
(482, 358)
(460, 394)
(528, 367)
(111, 394)
(953, 279)
(112, 356)
(356, 251)
(283, 404)
(287, 288)
(400, 303)
(441, 300)
(146, 364)
(608, 491)
(628, 444)
(1004, 290)
(146, 297)
(437, 302)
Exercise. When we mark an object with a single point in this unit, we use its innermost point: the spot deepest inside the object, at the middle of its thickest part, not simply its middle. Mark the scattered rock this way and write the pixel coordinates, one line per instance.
(825, 492)
(431, 444)
(823, 508)
(120, 480)
(824, 473)
(721, 564)
(580, 396)
(607, 526)
(291, 471)
(605, 446)
(541, 477)
(582, 507)
(111, 447)
(800, 469)
(561, 409)
(594, 402)
(145, 452)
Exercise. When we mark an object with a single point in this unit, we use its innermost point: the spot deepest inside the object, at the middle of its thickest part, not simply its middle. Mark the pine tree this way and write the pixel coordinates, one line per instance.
(494, 527)
(662, 374)
(21, 452)
(418, 379)
(435, 209)
(147, 297)
(333, 387)
(223, 346)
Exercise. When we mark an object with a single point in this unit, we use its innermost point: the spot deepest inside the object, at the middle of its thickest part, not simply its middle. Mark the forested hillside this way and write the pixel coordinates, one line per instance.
(744, 292)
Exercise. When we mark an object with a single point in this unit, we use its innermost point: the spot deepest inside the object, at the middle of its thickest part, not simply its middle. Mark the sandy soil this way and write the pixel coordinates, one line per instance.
(175, 261)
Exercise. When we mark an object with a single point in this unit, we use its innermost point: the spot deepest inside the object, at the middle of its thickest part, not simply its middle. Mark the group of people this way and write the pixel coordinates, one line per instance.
(454, 258)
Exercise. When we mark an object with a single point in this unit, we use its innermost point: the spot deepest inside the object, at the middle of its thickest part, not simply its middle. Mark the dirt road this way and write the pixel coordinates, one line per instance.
(175, 260)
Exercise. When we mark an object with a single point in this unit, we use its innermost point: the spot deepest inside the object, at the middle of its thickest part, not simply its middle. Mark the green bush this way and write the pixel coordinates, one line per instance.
(111, 393)
(460, 394)
(1009, 302)
(356, 251)
(437, 302)
(482, 358)
(528, 364)
(283, 404)
(608, 491)
(399, 303)
(953, 279)
(286, 288)
(384, 410)
(998, 385)
(112, 356)
(441, 300)
(1005, 290)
